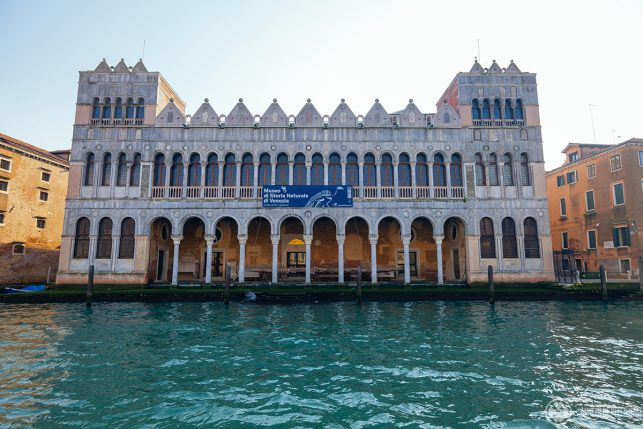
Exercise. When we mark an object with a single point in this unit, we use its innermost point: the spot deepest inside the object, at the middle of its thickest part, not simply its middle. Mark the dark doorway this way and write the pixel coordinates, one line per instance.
(160, 266)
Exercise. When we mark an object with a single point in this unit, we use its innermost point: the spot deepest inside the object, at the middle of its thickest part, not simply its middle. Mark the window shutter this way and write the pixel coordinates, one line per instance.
(617, 242)
(626, 236)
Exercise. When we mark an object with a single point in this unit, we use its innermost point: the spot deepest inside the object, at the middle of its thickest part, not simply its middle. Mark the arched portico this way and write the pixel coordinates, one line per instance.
(161, 252)
(258, 256)
(324, 250)
(355, 246)
(454, 250)
(294, 250)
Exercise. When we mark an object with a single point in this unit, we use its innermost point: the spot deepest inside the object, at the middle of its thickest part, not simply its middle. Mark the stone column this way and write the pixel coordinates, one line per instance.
(378, 181)
(447, 167)
(175, 260)
(116, 239)
(242, 257)
(308, 239)
(98, 170)
(361, 179)
(396, 181)
(112, 176)
(325, 172)
(340, 258)
(275, 257)
(309, 164)
(92, 249)
(220, 178)
(343, 172)
(413, 181)
(291, 170)
(438, 243)
(499, 256)
(406, 240)
(373, 240)
(429, 165)
(255, 179)
(520, 242)
(168, 173)
(237, 180)
(184, 185)
(209, 240)
(273, 173)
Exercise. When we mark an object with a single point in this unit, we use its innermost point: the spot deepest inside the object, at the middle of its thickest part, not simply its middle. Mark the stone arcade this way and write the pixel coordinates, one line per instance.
(156, 195)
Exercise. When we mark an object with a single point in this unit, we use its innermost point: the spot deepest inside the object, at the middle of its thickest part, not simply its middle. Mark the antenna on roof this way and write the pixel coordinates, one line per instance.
(143, 56)
(479, 58)
(591, 115)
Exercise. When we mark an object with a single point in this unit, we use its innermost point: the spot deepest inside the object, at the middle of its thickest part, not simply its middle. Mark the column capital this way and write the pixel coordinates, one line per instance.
(406, 239)
(308, 239)
(177, 239)
(243, 239)
(438, 238)
(309, 164)
(209, 239)
(373, 238)
(275, 239)
(360, 163)
(291, 162)
(340, 239)
(343, 163)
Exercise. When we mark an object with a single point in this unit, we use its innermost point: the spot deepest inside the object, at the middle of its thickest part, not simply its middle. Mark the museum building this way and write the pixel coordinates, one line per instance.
(157, 195)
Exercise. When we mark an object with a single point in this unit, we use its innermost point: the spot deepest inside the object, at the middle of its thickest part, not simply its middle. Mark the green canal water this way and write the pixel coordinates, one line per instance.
(432, 365)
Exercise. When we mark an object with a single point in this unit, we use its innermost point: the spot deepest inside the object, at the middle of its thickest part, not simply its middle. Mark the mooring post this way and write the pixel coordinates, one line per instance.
(358, 279)
(492, 291)
(641, 274)
(226, 292)
(603, 282)
(90, 286)
(48, 274)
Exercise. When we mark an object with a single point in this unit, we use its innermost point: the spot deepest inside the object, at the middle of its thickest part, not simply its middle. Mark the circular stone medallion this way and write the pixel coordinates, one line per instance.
(148, 147)
(486, 148)
(130, 147)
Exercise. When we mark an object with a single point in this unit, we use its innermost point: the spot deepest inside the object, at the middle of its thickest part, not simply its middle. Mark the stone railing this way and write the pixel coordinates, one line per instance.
(116, 122)
(498, 122)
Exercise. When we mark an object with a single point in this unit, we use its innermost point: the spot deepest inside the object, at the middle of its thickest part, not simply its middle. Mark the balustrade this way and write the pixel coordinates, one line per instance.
(370, 192)
(210, 192)
(406, 192)
(174, 192)
(229, 191)
(245, 192)
(440, 192)
(387, 192)
(423, 192)
(193, 192)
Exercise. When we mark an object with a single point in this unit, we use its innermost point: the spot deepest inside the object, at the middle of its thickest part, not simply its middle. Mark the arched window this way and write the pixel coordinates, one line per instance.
(455, 169)
(509, 110)
(493, 170)
(525, 180)
(81, 239)
(159, 170)
(135, 171)
(130, 109)
(247, 170)
(89, 170)
(194, 170)
(439, 171)
(107, 108)
(507, 170)
(106, 178)
(370, 170)
(519, 111)
(140, 109)
(481, 179)
(497, 109)
(121, 170)
(509, 244)
(487, 239)
(317, 171)
(486, 109)
(230, 170)
(404, 170)
(386, 170)
(281, 170)
(265, 170)
(532, 246)
(104, 242)
(118, 108)
(96, 108)
(475, 109)
(334, 169)
(352, 170)
(421, 170)
(127, 242)
(212, 170)
(176, 170)
(299, 170)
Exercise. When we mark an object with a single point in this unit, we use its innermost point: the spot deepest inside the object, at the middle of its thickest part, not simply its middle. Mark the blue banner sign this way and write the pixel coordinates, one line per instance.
(307, 196)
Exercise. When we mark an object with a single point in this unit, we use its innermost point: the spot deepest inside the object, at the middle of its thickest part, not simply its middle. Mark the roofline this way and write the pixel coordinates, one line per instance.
(630, 142)
(22, 147)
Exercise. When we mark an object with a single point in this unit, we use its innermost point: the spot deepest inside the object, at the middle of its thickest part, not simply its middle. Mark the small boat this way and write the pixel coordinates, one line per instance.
(29, 288)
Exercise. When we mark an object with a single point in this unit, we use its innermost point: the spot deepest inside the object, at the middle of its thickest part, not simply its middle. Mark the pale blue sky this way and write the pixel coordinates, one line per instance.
(583, 51)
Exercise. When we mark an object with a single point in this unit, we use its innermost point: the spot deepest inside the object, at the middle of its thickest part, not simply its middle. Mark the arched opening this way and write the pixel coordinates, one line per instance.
(386, 171)
(106, 178)
(519, 110)
(247, 170)
(497, 109)
(230, 171)
(509, 111)
(159, 268)
(352, 171)
(486, 109)
(507, 170)
(118, 109)
(404, 170)
(104, 240)
(96, 108)
(194, 170)
(334, 169)
(89, 170)
(225, 249)
(258, 250)
(324, 250)
(135, 170)
(192, 251)
(487, 239)
(423, 251)
(281, 170)
(509, 242)
(357, 249)
(176, 170)
(81, 239)
(532, 245)
(159, 170)
(481, 178)
(439, 171)
(493, 170)
(317, 170)
(390, 250)
(127, 241)
(456, 170)
(292, 250)
(475, 109)
(212, 171)
(107, 108)
(370, 175)
(422, 176)
(121, 170)
(454, 251)
(525, 180)
(130, 109)
(265, 169)
(140, 109)
(299, 170)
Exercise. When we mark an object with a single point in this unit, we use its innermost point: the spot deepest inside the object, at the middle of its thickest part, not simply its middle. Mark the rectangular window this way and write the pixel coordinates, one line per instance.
(560, 180)
(571, 177)
(4, 186)
(563, 207)
(564, 263)
(615, 163)
(296, 259)
(619, 196)
(641, 157)
(1, 218)
(625, 266)
(40, 223)
(565, 240)
(589, 200)
(621, 236)
(44, 196)
(591, 171)
(591, 239)
(5, 164)
(45, 177)
(573, 157)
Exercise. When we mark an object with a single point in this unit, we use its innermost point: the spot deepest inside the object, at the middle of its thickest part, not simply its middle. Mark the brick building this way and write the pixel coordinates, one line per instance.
(596, 207)
(33, 185)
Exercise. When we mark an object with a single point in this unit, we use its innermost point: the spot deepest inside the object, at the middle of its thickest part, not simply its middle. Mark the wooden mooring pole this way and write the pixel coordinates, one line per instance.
(641, 274)
(90, 286)
(358, 280)
(492, 292)
(603, 283)
(226, 292)
(48, 274)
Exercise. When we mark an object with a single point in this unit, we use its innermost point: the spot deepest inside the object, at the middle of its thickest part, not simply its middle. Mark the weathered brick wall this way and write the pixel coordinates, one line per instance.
(31, 267)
